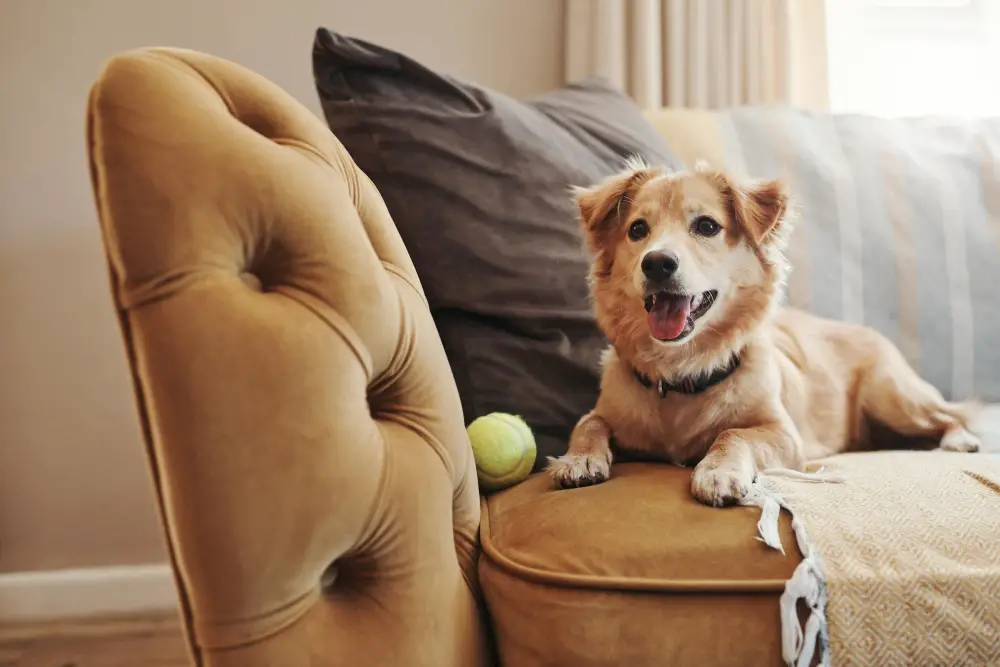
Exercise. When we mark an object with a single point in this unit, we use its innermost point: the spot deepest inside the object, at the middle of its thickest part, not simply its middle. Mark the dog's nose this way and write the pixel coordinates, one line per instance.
(659, 266)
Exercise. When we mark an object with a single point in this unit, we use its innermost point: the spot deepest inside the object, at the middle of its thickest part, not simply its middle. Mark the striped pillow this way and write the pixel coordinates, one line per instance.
(899, 224)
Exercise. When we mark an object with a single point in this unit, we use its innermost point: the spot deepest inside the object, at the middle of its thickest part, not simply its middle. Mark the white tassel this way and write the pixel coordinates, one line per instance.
(798, 645)
(770, 510)
(810, 638)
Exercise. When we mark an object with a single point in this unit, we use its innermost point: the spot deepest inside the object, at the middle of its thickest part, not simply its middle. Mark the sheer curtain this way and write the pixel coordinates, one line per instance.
(702, 53)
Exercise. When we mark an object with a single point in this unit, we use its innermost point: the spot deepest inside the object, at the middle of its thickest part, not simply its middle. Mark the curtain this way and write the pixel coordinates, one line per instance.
(702, 53)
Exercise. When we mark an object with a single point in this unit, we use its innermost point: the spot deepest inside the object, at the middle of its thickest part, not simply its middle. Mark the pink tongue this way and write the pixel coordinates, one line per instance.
(669, 316)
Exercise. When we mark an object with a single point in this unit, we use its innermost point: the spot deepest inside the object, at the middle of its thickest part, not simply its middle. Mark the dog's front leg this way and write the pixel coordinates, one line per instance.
(588, 460)
(730, 467)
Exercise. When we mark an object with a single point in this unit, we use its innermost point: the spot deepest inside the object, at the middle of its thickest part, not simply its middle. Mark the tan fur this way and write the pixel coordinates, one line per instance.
(806, 387)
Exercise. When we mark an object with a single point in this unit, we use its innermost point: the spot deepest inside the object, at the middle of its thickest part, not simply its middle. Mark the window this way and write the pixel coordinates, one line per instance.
(915, 57)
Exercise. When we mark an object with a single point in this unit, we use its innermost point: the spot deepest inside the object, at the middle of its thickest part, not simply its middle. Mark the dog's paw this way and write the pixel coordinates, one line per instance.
(960, 440)
(720, 485)
(573, 470)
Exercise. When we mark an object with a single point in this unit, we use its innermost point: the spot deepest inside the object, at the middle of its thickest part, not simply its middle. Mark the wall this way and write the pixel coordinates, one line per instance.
(74, 491)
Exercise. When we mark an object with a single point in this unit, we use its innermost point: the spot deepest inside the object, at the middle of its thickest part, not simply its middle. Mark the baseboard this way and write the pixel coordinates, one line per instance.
(72, 594)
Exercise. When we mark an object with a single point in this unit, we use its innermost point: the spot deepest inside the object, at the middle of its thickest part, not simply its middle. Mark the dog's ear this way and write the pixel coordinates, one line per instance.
(763, 209)
(758, 208)
(603, 205)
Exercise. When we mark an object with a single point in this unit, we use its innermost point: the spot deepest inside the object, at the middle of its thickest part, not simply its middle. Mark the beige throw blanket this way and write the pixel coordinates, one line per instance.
(905, 560)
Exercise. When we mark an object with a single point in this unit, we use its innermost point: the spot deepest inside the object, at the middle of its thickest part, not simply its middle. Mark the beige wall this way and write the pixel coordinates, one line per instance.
(73, 485)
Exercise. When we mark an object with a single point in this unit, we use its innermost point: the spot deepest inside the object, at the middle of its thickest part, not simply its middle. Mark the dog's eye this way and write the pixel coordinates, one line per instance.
(705, 226)
(638, 230)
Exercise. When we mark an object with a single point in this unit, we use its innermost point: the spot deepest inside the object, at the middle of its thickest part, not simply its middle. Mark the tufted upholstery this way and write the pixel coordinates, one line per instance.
(303, 428)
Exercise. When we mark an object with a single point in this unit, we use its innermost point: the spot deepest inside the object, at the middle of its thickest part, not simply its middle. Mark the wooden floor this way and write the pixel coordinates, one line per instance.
(143, 642)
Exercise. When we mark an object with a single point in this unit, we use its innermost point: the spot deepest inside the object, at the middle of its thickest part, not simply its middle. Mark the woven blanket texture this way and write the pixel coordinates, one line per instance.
(909, 547)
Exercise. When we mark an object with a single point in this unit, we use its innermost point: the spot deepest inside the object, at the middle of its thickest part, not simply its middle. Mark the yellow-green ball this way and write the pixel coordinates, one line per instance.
(504, 448)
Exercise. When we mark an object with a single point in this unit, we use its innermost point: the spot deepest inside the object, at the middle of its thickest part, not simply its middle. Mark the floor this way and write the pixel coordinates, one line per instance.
(134, 642)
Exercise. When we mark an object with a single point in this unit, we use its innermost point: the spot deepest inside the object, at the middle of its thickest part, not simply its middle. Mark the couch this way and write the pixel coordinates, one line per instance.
(306, 436)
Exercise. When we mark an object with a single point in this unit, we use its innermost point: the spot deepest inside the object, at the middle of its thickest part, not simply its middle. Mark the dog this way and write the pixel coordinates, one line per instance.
(705, 366)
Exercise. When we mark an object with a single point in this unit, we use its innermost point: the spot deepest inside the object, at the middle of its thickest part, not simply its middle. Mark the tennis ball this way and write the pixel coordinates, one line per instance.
(504, 449)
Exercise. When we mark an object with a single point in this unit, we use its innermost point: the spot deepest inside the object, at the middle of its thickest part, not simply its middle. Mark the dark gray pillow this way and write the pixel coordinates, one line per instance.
(478, 185)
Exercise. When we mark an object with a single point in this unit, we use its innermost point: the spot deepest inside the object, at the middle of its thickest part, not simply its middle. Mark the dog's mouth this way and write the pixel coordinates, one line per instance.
(672, 316)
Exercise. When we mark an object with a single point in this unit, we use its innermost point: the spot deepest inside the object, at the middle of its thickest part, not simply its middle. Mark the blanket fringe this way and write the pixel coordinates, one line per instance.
(799, 643)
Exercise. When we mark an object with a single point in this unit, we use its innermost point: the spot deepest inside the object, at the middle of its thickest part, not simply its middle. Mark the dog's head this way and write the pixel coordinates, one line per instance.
(683, 259)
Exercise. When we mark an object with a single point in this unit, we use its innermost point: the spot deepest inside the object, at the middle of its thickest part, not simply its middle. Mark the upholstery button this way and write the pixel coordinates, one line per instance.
(329, 577)
(252, 281)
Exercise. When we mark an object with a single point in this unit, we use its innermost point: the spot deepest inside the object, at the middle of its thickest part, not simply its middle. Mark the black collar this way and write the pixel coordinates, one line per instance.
(691, 385)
